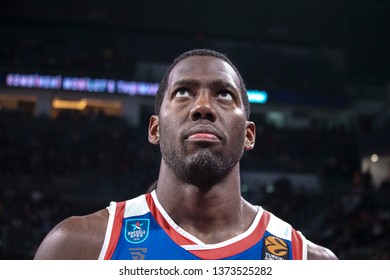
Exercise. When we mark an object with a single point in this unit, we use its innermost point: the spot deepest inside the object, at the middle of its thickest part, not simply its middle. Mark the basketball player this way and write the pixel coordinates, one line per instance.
(196, 211)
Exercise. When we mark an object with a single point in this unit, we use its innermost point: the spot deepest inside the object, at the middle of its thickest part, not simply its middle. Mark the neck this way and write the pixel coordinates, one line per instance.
(213, 214)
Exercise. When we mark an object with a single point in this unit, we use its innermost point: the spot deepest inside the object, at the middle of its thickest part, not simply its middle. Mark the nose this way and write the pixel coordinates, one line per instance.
(203, 109)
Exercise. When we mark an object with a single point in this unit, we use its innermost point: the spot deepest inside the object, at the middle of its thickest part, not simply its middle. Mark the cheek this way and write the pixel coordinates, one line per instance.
(239, 112)
(237, 131)
(168, 129)
(170, 115)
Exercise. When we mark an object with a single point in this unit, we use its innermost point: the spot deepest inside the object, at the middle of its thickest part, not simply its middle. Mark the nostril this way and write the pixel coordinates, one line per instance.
(210, 117)
(196, 116)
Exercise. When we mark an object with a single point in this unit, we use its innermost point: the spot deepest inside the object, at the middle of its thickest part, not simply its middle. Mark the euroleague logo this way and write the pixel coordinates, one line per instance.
(275, 248)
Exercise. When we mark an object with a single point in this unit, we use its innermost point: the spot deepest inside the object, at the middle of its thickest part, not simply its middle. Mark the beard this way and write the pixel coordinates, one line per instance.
(203, 168)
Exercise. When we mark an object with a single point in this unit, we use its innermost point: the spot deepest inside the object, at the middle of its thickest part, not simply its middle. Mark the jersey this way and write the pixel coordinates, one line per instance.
(140, 229)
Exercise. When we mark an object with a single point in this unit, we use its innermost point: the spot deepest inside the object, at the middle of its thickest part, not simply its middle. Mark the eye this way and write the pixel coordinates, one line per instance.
(181, 93)
(225, 95)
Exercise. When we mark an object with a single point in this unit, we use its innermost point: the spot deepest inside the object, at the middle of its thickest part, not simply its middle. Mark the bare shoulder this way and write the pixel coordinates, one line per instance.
(317, 252)
(77, 237)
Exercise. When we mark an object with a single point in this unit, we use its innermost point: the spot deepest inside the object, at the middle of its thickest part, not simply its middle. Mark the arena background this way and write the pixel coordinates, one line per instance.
(76, 92)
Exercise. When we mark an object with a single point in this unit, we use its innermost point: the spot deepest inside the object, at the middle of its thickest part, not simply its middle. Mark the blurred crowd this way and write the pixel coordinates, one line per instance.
(73, 165)
(76, 51)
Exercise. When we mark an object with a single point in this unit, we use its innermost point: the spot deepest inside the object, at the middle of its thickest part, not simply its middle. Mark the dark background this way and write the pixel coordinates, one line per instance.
(330, 54)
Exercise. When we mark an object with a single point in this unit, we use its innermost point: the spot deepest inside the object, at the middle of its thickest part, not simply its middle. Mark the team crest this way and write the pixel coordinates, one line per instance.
(137, 230)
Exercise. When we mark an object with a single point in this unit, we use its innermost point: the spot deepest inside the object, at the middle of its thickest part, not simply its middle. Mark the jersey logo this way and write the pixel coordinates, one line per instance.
(137, 230)
(138, 253)
(275, 248)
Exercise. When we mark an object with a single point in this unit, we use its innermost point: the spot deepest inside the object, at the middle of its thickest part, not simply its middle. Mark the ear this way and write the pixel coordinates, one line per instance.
(250, 136)
(153, 130)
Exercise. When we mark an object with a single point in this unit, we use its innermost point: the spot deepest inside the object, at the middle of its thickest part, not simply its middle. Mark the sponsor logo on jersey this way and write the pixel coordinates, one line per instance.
(137, 230)
(138, 253)
(275, 248)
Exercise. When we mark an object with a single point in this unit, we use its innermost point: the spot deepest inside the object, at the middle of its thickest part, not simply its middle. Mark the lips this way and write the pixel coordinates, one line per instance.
(203, 134)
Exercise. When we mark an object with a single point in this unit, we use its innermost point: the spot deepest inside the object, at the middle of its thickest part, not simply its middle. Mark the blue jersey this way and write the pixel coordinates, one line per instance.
(140, 228)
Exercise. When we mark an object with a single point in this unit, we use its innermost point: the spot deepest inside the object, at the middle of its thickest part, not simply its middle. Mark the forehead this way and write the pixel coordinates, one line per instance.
(204, 68)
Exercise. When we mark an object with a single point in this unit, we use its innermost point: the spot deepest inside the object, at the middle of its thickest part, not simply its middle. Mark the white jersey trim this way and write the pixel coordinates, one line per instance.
(304, 246)
(279, 228)
(111, 216)
(200, 245)
(136, 207)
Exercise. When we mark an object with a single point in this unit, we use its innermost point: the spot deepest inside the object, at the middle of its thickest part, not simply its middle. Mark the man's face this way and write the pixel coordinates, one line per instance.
(202, 127)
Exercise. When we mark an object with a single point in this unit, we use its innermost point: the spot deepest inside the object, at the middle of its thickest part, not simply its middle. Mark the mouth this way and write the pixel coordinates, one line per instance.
(203, 134)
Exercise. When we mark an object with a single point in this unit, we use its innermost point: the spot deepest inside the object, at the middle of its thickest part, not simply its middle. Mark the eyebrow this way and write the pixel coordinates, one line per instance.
(215, 84)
